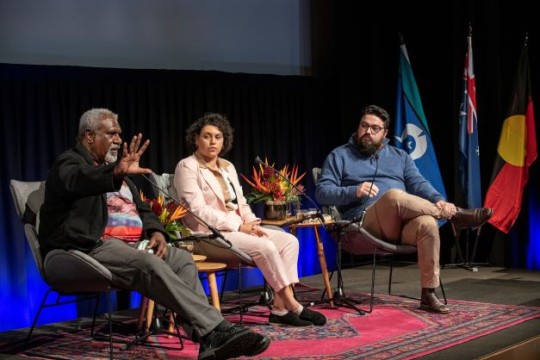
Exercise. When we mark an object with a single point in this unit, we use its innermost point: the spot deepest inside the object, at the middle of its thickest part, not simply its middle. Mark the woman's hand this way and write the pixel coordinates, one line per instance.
(253, 228)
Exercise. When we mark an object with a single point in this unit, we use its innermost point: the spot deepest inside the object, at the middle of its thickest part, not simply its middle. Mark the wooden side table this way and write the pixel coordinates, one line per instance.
(314, 224)
(148, 305)
(210, 268)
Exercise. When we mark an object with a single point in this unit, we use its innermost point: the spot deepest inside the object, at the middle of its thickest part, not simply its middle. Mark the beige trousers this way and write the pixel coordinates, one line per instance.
(399, 217)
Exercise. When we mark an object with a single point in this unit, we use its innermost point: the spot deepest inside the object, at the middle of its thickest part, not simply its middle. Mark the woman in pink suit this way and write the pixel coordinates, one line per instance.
(208, 184)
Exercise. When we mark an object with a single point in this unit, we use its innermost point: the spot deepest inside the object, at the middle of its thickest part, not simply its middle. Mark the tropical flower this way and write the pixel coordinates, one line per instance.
(169, 213)
(272, 187)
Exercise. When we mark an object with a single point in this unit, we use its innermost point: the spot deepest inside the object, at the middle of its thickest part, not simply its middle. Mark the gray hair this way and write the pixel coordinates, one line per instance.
(90, 120)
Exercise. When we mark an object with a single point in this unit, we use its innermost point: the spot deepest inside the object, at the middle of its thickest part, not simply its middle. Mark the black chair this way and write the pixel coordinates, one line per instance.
(68, 273)
(358, 241)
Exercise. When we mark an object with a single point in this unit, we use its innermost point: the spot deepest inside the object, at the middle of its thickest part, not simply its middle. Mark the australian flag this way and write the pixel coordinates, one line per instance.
(469, 153)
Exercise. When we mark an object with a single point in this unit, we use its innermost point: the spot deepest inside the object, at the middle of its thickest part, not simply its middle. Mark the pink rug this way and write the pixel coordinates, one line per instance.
(396, 329)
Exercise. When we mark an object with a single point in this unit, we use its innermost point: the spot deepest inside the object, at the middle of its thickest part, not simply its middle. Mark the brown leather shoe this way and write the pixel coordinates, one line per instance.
(430, 302)
(471, 218)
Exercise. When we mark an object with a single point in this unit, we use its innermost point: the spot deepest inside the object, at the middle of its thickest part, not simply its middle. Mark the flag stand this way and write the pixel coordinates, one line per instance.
(466, 262)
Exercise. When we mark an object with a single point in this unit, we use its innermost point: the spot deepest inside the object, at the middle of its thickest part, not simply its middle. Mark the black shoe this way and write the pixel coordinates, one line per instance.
(261, 345)
(316, 318)
(232, 342)
(289, 318)
(471, 218)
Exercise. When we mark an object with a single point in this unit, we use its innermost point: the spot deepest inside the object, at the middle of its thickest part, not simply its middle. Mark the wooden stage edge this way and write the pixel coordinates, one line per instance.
(527, 349)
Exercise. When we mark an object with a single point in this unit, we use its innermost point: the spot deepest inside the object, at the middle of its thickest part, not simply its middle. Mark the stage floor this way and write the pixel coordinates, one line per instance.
(488, 284)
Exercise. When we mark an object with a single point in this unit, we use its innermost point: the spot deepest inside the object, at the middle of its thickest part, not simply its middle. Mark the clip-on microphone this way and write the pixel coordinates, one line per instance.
(196, 237)
(319, 213)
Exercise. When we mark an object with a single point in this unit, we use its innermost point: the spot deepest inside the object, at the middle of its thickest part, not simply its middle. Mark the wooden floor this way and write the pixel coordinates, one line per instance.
(528, 349)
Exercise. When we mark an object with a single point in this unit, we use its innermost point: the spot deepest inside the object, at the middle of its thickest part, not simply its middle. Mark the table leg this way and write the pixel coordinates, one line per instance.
(214, 295)
(324, 269)
(149, 314)
(172, 321)
(322, 262)
(142, 311)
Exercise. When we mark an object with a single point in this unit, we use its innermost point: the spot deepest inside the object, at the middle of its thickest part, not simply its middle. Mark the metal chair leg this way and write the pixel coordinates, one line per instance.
(37, 316)
(109, 302)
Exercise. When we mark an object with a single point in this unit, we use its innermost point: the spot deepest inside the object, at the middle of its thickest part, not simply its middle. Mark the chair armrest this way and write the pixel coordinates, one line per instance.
(360, 241)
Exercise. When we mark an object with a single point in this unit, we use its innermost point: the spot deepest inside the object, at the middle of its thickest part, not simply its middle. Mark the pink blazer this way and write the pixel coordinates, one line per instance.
(200, 191)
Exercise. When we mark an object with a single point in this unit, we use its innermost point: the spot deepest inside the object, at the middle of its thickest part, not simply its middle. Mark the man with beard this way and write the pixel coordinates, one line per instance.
(369, 179)
(91, 205)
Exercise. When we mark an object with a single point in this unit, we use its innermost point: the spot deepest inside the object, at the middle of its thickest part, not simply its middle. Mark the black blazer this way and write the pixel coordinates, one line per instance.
(74, 213)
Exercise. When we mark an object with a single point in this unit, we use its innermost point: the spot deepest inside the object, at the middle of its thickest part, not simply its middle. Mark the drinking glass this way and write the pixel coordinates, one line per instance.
(187, 245)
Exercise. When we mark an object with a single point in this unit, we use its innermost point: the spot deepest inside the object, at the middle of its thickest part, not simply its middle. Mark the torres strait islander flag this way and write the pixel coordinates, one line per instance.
(411, 132)
(516, 151)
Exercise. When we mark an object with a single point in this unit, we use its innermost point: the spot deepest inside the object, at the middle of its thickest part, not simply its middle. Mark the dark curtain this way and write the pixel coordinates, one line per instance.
(274, 117)
(288, 119)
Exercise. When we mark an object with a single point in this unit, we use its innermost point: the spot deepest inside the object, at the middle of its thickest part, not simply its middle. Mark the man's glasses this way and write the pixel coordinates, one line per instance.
(374, 128)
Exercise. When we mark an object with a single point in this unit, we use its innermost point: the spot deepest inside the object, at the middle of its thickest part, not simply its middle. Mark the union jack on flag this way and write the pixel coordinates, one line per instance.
(469, 152)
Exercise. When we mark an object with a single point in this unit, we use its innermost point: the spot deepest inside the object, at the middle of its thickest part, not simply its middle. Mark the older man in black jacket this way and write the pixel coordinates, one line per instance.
(92, 206)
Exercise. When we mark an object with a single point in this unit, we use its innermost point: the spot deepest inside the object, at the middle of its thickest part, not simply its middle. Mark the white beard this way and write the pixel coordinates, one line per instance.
(111, 157)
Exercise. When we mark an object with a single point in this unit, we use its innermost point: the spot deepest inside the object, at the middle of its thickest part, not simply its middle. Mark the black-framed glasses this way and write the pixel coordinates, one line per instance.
(374, 128)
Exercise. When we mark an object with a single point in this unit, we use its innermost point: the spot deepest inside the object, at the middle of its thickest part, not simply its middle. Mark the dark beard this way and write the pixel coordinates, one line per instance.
(367, 147)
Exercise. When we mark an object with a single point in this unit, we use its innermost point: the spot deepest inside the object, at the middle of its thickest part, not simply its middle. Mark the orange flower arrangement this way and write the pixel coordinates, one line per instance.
(268, 186)
(169, 213)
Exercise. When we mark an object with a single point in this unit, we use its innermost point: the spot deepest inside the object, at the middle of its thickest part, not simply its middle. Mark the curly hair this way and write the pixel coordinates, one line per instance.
(378, 112)
(218, 120)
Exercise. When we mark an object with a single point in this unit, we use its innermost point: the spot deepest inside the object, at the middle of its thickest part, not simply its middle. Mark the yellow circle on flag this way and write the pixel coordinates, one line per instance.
(512, 141)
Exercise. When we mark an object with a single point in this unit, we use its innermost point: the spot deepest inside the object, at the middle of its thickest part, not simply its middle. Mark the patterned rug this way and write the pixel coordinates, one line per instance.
(396, 329)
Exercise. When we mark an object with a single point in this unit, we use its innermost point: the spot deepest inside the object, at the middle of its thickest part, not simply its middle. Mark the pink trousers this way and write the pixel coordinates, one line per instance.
(276, 256)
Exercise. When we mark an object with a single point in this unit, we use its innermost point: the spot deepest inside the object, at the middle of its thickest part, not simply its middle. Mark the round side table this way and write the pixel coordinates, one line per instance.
(210, 268)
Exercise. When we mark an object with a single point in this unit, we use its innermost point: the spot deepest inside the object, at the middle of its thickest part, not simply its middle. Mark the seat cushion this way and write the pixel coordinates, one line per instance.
(74, 271)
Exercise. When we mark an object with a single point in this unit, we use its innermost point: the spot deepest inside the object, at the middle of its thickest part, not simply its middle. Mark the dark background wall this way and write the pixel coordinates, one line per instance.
(287, 118)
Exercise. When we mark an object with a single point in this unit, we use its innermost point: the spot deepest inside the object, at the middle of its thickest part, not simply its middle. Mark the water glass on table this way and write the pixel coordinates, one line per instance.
(187, 245)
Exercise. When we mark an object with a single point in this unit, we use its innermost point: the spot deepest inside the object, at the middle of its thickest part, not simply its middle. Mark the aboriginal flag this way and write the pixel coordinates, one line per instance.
(516, 151)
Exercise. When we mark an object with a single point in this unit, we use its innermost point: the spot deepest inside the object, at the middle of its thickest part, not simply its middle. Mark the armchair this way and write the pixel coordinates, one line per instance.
(65, 272)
